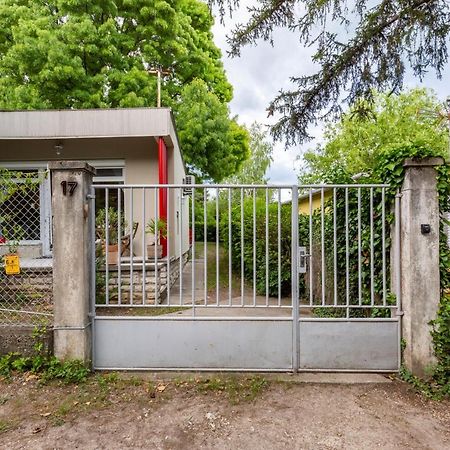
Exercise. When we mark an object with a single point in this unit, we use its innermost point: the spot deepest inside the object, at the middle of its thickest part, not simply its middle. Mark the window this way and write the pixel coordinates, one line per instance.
(107, 173)
(29, 209)
(25, 206)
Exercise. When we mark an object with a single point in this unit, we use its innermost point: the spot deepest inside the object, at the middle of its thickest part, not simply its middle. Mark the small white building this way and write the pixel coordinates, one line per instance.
(126, 146)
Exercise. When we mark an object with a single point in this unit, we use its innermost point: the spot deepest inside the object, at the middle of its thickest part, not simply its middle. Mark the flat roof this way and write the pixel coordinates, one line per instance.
(88, 123)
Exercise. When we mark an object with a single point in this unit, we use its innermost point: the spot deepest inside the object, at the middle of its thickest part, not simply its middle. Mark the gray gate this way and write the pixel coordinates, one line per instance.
(268, 278)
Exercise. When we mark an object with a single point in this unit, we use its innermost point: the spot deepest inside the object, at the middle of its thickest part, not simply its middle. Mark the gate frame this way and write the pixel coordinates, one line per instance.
(295, 319)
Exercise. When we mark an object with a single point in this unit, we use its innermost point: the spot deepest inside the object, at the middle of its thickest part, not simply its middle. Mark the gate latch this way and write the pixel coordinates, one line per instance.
(302, 258)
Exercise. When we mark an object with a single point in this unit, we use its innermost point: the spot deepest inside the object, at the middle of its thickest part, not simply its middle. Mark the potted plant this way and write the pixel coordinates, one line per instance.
(158, 229)
(113, 241)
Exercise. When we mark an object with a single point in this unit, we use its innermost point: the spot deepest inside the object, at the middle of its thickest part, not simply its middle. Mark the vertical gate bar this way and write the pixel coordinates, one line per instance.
(242, 246)
(347, 263)
(156, 219)
(294, 275)
(334, 249)
(322, 232)
(107, 245)
(267, 246)
(131, 246)
(383, 240)
(169, 277)
(372, 287)
(193, 249)
(359, 250)
(217, 246)
(205, 246)
(229, 246)
(254, 247)
(93, 269)
(279, 245)
(180, 195)
(119, 240)
(144, 275)
(310, 248)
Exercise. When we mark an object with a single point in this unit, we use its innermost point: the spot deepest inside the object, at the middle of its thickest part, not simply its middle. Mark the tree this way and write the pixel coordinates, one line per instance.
(206, 130)
(96, 54)
(389, 36)
(353, 144)
(254, 169)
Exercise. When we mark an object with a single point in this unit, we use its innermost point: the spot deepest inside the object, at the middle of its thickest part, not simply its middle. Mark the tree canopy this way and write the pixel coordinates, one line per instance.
(360, 46)
(204, 128)
(354, 144)
(254, 169)
(95, 54)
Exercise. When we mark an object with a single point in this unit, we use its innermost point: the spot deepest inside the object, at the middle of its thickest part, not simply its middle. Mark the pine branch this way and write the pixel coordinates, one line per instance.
(390, 36)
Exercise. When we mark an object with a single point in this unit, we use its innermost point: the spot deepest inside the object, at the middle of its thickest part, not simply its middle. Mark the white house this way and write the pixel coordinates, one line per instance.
(127, 146)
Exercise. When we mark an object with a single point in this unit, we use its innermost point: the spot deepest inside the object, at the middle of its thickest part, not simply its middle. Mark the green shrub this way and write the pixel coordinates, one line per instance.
(211, 224)
(48, 367)
(259, 252)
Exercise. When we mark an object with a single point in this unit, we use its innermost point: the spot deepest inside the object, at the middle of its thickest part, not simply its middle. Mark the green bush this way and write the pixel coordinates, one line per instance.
(48, 367)
(360, 253)
(259, 252)
(211, 224)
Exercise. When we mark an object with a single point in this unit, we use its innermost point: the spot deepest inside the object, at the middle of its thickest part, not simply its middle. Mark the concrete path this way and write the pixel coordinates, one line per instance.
(220, 304)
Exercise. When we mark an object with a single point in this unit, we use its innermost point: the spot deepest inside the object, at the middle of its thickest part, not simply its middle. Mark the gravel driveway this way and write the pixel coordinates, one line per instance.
(219, 411)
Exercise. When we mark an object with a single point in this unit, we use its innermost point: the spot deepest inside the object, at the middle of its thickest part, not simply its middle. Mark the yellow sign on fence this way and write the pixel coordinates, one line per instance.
(12, 266)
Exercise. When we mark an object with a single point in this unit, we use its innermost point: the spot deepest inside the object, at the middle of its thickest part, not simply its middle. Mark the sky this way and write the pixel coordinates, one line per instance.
(262, 70)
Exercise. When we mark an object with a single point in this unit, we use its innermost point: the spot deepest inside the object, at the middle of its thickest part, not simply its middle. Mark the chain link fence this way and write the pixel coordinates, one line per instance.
(26, 291)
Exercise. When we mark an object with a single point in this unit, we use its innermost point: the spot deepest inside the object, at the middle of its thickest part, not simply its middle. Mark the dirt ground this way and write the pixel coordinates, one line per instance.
(218, 411)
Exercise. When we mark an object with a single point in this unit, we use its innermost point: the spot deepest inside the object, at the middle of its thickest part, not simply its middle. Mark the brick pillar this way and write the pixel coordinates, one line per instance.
(71, 183)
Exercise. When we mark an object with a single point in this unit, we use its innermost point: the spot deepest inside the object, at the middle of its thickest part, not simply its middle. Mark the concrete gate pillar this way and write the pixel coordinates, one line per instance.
(71, 183)
(419, 262)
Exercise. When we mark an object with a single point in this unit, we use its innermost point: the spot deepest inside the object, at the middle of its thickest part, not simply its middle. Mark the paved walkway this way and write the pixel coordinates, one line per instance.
(220, 304)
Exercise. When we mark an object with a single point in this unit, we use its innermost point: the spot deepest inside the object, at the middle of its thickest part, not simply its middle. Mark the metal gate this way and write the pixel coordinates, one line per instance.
(244, 277)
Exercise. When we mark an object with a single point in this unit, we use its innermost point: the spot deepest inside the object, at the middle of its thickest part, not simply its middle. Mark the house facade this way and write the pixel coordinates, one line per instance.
(137, 146)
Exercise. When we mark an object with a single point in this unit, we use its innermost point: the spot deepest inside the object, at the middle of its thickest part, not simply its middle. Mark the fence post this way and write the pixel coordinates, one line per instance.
(294, 281)
(419, 262)
(71, 184)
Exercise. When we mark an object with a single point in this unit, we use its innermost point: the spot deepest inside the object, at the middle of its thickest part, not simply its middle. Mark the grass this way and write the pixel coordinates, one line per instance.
(58, 403)
(236, 388)
(64, 409)
(211, 266)
(6, 425)
(142, 311)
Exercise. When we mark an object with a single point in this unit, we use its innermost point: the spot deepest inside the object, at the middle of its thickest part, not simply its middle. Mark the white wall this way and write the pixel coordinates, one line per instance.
(141, 167)
(178, 205)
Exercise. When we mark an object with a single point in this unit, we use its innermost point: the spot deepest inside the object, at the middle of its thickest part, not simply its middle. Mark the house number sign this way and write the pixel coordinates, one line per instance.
(69, 187)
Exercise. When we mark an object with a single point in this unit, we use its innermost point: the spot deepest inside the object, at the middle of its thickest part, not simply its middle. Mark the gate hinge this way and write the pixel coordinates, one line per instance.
(90, 196)
(400, 313)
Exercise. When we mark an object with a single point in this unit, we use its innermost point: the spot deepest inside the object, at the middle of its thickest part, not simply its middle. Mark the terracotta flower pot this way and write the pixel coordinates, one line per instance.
(151, 251)
(113, 253)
